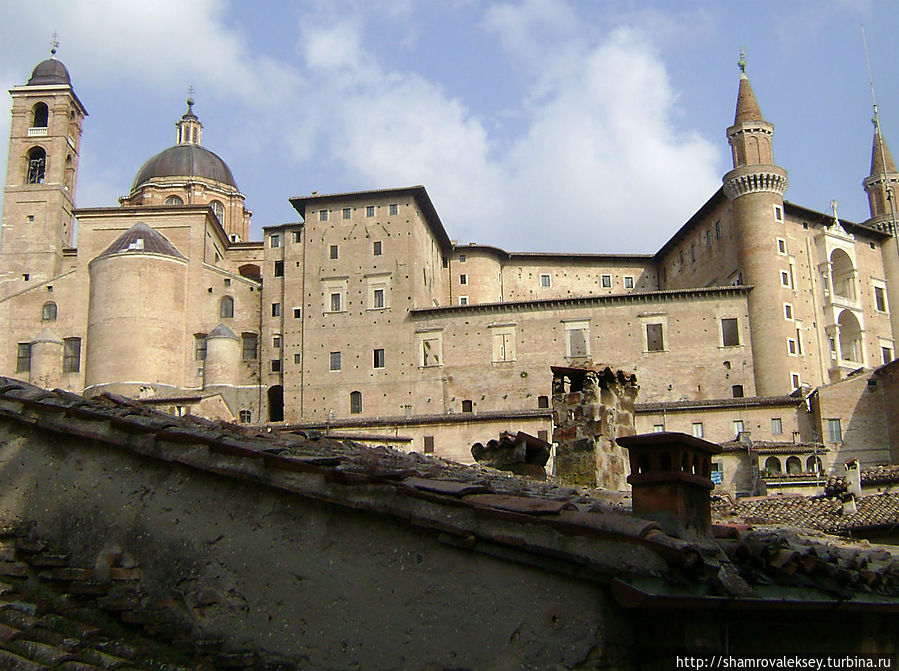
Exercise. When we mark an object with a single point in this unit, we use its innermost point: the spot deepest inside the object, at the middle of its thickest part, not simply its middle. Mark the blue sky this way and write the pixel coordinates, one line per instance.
(539, 125)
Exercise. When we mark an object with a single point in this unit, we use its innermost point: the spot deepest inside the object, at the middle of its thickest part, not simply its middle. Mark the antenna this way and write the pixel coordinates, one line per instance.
(880, 144)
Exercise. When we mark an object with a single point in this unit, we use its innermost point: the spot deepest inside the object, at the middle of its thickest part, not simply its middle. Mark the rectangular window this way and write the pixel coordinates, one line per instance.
(23, 357)
(791, 346)
(71, 362)
(276, 342)
(332, 252)
(346, 213)
(784, 278)
(577, 342)
(692, 252)
(503, 344)
(781, 246)
(605, 281)
(275, 241)
(376, 248)
(545, 280)
(834, 431)
(276, 309)
(297, 359)
(658, 428)
(628, 282)
(655, 338)
(323, 215)
(336, 300)
(249, 341)
(463, 300)
(730, 332)
(777, 426)
(463, 279)
(200, 347)
(698, 431)
(297, 313)
(717, 230)
(462, 258)
(788, 311)
(795, 381)
(738, 427)
(880, 299)
(429, 444)
(430, 352)
(334, 361)
(276, 365)
(378, 358)
(297, 237)
(378, 298)
(778, 213)
(393, 208)
(737, 391)
(279, 268)
(887, 353)
(708, 238)
(370, 211)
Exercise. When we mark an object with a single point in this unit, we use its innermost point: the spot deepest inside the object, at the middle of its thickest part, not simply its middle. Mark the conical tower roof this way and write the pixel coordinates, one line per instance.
(747, 106)
(881, 158)
(141, 239)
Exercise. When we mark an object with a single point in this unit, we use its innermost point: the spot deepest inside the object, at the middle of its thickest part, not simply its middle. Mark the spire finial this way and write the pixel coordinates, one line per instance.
(190, 95)
(742, 62)
(54, 44)
(833, 208)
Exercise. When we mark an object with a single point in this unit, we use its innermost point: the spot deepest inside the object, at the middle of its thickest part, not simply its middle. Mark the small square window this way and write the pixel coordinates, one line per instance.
(463, 300)
(738, 427)
(628, 282)
(370, 211)
(275, 241)
(461, 258)
(323, 215)
(777, 426)
(297, 313)
(606, 281)
(658, 428)
(276, 309)
(737, 391)
(463, 279)
(805, 225)
(393, 208)
(297, 237)
(378, 358)
(467, 406)
(276, 365)
(347, 212)
(332, 252)
(376, 248)
(227, 282)
(334, 361)
(279, 268)
(276, 342)
(545, 280)
(886, 353)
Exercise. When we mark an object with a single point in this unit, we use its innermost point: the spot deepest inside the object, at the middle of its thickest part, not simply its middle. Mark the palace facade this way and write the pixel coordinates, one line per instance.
(759, 319)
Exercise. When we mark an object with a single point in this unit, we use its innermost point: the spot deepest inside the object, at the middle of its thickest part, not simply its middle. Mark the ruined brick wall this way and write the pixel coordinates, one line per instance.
(591, 408)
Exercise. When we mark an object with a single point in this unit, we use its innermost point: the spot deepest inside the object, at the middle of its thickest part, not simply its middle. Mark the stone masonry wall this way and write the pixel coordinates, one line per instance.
(591, 408)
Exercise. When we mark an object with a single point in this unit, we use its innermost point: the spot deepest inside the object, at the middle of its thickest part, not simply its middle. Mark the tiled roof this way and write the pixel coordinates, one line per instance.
(745, 402)
(141, 239)
(583, 532)
(774, 447)
(880, 474)
(814, 512)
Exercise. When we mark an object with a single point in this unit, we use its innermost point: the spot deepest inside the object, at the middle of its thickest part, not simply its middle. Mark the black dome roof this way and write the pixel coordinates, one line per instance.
(185, 160)
(50, 71)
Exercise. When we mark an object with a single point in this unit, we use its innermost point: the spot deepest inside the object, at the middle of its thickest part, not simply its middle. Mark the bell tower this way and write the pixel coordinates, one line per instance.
(755, 188)
(39, 196)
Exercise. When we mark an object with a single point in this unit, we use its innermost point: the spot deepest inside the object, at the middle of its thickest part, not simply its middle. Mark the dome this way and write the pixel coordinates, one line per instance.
(141, 239)
(185, 160)
(48, 72)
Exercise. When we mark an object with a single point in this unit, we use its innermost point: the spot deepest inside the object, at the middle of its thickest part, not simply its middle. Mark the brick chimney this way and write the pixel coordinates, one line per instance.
(670, 481)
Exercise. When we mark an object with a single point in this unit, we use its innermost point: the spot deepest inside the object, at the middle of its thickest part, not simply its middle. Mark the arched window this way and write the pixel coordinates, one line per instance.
(850, 337)
(543, 401)
(226, 307)
(843, 274)
(37, 164)
(48, 312)
(174, 200)
(276, 403)
(794, 466)
(772, 466)
(813, 465)
(356, 403)
(70, 172)
(219, 210)
(40, 115)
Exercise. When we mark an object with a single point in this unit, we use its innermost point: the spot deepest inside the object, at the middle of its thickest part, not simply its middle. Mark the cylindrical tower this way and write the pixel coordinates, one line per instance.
(46, 360)
(755, 187)
(136, 317)
(223, 352)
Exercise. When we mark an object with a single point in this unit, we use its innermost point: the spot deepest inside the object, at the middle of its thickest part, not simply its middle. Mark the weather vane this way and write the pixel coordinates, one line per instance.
(54, 44)
(742, 61)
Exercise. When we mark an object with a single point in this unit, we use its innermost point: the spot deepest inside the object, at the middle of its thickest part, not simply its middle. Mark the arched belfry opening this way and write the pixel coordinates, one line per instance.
(850, 337)
(40, 115)
(36, 165)
(276, 403)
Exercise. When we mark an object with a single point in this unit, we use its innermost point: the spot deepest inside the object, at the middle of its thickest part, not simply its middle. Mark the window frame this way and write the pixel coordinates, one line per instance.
(23, 357)
(578, 325)
(335, 362)
(734, 332)
(71, 355)
(378, 358)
